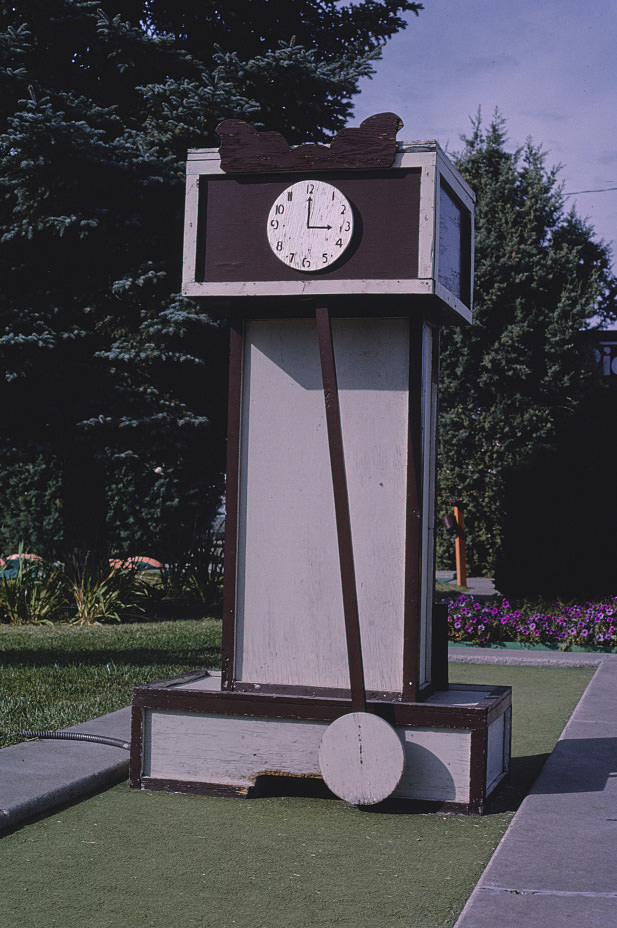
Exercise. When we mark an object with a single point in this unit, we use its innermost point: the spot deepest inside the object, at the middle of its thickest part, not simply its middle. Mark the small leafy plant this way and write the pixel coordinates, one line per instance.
(99, 592)
(31, 591)
(196, 575)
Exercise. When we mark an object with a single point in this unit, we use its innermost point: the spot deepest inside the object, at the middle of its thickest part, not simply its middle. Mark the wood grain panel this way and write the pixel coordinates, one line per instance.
(226, 749)
(437, 765)
(234, 751)
(386, 227)
(245, 149)
(290, 622)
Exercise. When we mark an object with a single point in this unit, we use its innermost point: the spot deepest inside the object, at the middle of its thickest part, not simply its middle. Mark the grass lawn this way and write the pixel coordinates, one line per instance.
(448, 586)
(51, 677)
(126, 858)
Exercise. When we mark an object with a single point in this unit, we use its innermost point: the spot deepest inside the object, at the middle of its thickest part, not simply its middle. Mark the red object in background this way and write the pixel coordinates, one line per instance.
(139, 563)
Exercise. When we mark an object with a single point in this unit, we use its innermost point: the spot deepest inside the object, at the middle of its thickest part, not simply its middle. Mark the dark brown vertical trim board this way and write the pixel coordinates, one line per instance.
(439, 650)
(202, 212)
(477, 772)
(137, 743)
(234, 415)
(341, 508)
(413, 536)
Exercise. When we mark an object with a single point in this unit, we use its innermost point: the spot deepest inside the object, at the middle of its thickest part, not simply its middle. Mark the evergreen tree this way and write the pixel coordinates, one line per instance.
(107, 373)
(525, 365)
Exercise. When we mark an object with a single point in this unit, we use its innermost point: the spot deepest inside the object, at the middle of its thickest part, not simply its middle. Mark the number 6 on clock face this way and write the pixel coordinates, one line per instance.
(310, 225)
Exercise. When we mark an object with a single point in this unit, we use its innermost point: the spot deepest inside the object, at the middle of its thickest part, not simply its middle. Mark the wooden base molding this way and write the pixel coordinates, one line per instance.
(189, 736)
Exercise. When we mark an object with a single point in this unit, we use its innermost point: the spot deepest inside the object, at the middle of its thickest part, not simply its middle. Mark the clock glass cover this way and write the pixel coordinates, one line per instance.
(310, 225)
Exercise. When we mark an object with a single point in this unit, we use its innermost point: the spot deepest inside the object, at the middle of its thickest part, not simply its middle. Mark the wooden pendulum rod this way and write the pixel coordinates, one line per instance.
(341, 507)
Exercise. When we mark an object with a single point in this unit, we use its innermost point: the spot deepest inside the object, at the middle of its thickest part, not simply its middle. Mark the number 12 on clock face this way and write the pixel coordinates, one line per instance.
(310, 225)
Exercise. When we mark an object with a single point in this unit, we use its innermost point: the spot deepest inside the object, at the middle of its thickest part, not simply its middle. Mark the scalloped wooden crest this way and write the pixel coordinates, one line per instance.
(246, 150)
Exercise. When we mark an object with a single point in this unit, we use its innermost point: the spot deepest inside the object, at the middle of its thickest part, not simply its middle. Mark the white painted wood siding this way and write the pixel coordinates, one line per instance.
(437, 765)
(498, 759)
(290, 623)
(230, 750)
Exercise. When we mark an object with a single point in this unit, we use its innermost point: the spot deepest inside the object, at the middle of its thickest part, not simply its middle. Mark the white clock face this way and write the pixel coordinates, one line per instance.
(310, 225)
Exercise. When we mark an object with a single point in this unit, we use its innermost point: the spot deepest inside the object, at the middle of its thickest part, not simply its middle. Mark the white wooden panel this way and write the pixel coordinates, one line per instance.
(426, 241)
(314, 287)
(437, 765)
(228, 749)
(290, 622)
(496, 762)
(361, 758)
(190, 230)
(234, 750)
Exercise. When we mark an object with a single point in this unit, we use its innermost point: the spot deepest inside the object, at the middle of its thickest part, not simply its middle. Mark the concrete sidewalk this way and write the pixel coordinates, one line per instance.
(38, 776)
(556, 864)
(478, 587)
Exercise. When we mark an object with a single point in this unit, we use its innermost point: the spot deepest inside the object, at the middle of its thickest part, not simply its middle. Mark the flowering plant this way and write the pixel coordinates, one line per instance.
(593, 625)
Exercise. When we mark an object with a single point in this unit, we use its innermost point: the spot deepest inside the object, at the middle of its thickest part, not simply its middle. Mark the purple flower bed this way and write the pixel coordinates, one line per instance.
(593, 625)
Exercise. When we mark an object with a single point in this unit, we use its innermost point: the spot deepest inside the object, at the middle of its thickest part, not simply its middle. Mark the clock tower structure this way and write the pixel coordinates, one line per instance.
(336, 266)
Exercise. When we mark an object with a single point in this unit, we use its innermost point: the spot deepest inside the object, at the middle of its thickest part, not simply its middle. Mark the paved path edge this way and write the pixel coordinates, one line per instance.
(529, 879)
(38, 776)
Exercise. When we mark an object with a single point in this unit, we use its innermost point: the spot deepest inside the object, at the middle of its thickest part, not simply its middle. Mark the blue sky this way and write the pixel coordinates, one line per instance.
(550, 66)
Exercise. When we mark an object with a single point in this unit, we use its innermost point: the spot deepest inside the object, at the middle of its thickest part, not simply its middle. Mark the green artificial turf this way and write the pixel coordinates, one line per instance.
(128, 858)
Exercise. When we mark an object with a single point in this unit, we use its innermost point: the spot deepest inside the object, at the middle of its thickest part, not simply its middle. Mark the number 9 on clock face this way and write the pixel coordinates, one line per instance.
(310, 225)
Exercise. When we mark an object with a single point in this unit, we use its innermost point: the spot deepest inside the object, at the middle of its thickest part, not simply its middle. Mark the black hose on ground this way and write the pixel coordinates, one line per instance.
(77, 736)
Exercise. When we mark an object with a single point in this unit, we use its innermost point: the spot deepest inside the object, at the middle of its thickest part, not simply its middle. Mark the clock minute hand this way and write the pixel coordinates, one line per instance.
(308, 217)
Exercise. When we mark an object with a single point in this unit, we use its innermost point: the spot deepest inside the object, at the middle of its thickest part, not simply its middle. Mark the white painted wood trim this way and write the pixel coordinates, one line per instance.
(409, 155)
(412, 154)
(427, 242)
(190, 231)
(309, 287)
(204, 161)
(413, 148)
(455, 180)
(447, 297)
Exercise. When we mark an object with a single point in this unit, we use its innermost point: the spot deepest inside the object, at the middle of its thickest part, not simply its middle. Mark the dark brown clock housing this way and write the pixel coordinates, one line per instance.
(413, 226)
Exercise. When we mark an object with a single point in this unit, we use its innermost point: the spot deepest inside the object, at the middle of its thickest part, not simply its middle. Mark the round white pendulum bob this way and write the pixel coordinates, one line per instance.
(361, 758)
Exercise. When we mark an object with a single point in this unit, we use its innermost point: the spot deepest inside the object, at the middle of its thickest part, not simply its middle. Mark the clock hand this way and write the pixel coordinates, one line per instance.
(308, 217)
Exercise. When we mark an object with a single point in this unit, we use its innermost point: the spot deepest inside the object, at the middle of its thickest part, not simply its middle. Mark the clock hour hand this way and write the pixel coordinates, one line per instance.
(308, 217)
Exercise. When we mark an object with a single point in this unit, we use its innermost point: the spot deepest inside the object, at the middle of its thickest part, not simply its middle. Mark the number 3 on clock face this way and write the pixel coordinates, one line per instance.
(310, 225)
